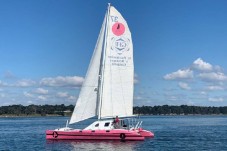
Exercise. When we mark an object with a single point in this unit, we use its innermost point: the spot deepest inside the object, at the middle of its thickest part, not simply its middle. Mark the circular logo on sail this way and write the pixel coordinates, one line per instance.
(120, 44)
(118, 29)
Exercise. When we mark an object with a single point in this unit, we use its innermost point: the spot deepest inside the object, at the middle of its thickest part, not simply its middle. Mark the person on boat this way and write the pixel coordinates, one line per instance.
(116, 119)
(116, 122)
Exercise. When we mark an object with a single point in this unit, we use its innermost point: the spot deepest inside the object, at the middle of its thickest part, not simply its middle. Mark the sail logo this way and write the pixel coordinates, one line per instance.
(120, 44)
(118, 29)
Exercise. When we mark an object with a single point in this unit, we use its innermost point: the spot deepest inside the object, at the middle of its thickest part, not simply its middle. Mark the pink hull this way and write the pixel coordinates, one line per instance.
(116, 134)
(146, 133)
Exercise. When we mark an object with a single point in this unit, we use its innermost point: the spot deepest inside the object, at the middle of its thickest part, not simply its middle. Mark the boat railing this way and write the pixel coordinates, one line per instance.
(128, 124)
(138, 125)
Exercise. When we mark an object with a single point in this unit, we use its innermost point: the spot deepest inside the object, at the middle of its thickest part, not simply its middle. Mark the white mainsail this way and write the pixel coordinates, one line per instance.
(118, 71)
(111, 68)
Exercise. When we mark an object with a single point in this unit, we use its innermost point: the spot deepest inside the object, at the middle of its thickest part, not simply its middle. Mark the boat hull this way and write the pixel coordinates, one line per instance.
(145, 133)
(116, 134)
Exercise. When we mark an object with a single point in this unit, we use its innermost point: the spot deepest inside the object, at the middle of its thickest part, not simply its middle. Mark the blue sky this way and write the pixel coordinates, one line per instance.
(180, 50)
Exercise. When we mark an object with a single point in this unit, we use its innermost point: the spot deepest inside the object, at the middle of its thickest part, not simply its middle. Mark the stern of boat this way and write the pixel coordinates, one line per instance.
(145, 133)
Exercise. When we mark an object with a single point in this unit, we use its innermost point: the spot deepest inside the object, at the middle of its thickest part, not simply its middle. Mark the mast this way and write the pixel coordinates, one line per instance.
(102, 65)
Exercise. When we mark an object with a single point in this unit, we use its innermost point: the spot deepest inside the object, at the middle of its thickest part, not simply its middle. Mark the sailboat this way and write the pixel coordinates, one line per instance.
(107, 92)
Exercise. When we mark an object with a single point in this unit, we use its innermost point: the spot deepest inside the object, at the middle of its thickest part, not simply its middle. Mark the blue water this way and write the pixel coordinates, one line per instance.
(171, 133)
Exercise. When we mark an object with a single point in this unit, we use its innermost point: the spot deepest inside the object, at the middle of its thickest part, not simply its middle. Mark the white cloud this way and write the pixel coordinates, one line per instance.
(41, 97)
(41, 91)
(138, 98)
(19, 83)
(60, 81)
(29, 91)
(72, 98)
(172, 98)
(28, 94)
(2, 95)
(199, 64)
(65, 95)
(25, 83)
(216, 99)
(199, 73)
(203, 93)
(212, 88)
(206, 72)
(3, 84)
(30, 102)
(184, 86)
(213, 76)
(180, 74)
(62, 94)
(218, 68)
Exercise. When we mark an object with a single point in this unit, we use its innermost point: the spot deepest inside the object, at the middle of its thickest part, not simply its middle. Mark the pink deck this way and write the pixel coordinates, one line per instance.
(116, 134)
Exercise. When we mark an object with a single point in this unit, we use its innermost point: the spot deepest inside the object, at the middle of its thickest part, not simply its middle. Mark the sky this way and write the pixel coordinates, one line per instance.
(180, 50)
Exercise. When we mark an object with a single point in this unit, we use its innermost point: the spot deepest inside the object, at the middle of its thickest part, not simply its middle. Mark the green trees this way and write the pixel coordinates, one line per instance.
(179, 110)
(62, 110)
(32, 110)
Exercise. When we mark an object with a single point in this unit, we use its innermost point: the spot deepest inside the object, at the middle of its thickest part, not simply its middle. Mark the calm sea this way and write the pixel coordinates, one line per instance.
(171, 133)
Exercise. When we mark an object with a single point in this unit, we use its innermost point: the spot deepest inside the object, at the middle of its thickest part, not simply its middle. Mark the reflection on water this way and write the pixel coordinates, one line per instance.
(91, 145)
(106, 145)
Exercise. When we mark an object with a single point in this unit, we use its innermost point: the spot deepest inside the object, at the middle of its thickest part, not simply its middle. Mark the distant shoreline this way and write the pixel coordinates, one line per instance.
(62, 110)
(38, 115)
(56, 115)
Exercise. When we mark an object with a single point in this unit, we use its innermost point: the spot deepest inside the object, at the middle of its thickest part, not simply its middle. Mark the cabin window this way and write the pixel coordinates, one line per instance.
(96, 125)
(107, 124)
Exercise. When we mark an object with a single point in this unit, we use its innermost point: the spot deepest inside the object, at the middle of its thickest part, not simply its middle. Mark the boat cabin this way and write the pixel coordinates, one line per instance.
(109, 124)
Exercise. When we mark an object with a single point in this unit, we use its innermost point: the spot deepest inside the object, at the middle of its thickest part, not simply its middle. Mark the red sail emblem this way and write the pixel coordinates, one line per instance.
(118, 29)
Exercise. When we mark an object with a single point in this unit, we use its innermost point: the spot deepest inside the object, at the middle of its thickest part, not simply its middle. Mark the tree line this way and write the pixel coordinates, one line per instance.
(179, 110)
(36, 110)
(62, 110)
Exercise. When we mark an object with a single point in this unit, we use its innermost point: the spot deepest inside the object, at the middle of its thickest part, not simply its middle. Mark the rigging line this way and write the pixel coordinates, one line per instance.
(100, 67)
(103, 61)
(111, 87)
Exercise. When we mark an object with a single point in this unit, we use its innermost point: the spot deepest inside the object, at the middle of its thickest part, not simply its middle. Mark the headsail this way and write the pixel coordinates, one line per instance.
(87, 101)
(118, 68)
